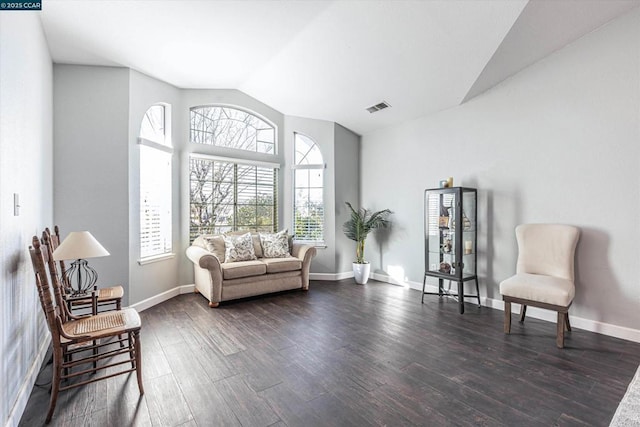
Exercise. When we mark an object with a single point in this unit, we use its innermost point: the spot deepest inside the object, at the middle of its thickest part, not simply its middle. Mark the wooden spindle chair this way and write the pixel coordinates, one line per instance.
(72, 335)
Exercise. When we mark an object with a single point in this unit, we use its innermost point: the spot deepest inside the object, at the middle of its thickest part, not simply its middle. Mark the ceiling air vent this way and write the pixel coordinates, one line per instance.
(378, 107)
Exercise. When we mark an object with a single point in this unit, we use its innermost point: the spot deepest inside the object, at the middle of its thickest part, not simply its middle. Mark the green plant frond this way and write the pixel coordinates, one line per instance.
(361, 223)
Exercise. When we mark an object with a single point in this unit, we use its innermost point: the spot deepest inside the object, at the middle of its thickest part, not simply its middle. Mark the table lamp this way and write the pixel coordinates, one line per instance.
(78, 246)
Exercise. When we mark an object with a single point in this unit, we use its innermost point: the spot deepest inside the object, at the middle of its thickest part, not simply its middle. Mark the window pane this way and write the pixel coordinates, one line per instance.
(301, 178)
(153, 124)
(308, 190)
(306, 151)
(227, 196)
(155, 202)
(231, 128)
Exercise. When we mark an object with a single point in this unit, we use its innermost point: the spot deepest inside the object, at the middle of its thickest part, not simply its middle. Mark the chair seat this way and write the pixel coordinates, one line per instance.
(103, 324)
(539, 288)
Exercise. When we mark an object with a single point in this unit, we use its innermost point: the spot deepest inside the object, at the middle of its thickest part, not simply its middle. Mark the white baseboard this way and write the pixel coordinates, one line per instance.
(331, 276)
(616, 331)
(27, 385)
(157, 299)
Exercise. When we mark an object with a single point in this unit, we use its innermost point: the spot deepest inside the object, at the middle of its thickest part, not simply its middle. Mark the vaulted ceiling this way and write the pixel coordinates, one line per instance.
(326, 60)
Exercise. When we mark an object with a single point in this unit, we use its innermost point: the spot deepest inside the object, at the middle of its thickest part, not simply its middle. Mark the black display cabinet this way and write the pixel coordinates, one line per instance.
(450, 231)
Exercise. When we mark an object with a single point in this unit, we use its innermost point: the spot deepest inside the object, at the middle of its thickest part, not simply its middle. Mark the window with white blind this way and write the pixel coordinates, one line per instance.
(231, 195)
(155, 184)
(308, 194)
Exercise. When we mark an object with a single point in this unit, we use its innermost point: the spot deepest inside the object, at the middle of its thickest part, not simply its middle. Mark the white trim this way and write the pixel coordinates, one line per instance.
(155, 258)
(296, 167)
(331, 276)
(156, 145)
(16, 412)
(590, 325)
(234, 160)
(162, 297)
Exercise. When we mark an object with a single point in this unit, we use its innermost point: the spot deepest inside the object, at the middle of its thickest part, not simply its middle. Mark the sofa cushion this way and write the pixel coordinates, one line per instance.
(238, 248)
(279, 265)
(235, 270)
(215, 245)
(275, 245)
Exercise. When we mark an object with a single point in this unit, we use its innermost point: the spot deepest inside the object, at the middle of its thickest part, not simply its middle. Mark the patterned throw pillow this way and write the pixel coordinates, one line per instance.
(238, 248)
(275, 245)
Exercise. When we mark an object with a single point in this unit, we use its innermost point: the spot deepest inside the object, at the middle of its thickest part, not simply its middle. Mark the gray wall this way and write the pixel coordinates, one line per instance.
(151, 279)
(347, 189)
(91, 158)
(26, 169)
(557, 142)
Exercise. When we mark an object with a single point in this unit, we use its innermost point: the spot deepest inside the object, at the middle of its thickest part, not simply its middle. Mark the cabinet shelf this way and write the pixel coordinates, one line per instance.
(450, 252)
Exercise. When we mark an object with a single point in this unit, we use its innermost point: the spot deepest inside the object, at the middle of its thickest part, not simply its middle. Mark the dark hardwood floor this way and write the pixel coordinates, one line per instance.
(349, 355)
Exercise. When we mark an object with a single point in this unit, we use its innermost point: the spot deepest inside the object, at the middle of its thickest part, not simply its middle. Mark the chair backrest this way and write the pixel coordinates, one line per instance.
(547, 249)
(39, 255)
(57, 281)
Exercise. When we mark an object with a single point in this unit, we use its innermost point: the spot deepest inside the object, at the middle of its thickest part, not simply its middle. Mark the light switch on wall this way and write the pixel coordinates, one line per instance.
(16, 204)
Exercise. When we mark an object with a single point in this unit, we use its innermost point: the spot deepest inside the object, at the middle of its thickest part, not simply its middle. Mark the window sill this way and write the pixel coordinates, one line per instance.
(156, 258)
(317, 245)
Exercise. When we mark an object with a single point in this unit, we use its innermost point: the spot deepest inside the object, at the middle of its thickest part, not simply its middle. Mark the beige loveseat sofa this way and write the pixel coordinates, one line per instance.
(223, 281)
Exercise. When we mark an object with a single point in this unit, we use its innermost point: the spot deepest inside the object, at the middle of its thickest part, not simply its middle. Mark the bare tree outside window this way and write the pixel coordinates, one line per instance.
(228, 196)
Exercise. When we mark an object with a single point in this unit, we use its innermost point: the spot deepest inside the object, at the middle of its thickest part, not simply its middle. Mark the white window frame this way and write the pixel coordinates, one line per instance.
(322, 166)
(162, 197)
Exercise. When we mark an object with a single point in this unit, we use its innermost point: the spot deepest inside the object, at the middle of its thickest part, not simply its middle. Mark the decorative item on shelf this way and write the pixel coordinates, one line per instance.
(445, 267)
(78, 246)
(466, 222)
(443, 219)
(446, 246)
(444, 183)
(468, 247)
(360, 224)
(450, 182)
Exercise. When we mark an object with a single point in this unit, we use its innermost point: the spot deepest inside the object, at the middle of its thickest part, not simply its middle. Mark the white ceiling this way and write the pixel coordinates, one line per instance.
(326, 59)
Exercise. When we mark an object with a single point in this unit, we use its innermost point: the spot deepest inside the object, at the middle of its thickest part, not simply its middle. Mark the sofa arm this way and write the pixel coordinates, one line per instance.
(207, 273)
(304, 253)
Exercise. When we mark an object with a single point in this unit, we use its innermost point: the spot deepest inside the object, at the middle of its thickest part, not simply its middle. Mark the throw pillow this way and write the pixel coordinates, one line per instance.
(238, 248)
(215, 245)
(275, 245)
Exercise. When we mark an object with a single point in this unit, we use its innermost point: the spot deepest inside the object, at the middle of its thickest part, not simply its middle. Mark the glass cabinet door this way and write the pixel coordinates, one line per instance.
(469, 233)
(440, 219)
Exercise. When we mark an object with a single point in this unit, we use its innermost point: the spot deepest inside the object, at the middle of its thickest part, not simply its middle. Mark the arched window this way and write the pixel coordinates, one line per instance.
(232, 128)
(308, 183)
(155, 183)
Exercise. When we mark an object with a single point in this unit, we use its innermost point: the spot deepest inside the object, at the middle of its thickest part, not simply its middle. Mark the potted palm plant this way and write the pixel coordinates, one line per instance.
(360, 224)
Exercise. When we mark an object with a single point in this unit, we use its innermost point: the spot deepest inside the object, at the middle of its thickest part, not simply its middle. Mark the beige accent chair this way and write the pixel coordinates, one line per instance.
(544, 273)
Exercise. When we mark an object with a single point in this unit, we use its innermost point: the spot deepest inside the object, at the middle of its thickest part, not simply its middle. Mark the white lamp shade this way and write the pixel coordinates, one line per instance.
(79, 245)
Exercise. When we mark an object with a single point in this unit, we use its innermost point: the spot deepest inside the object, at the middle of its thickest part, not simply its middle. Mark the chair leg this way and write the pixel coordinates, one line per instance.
(507, 317)
(523, 312)
(55, 382)
(566, 320)
(136, 343)
(560, 330)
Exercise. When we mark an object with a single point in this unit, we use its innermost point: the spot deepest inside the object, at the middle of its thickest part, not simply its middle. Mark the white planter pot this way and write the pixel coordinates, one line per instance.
(361, 272)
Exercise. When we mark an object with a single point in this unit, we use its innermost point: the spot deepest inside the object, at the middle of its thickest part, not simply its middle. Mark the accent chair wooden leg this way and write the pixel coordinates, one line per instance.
(55, 382)
(136, 349)
(560, 329)
(566, 320)
(523, 312)
(213, 304)
(507, 317)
